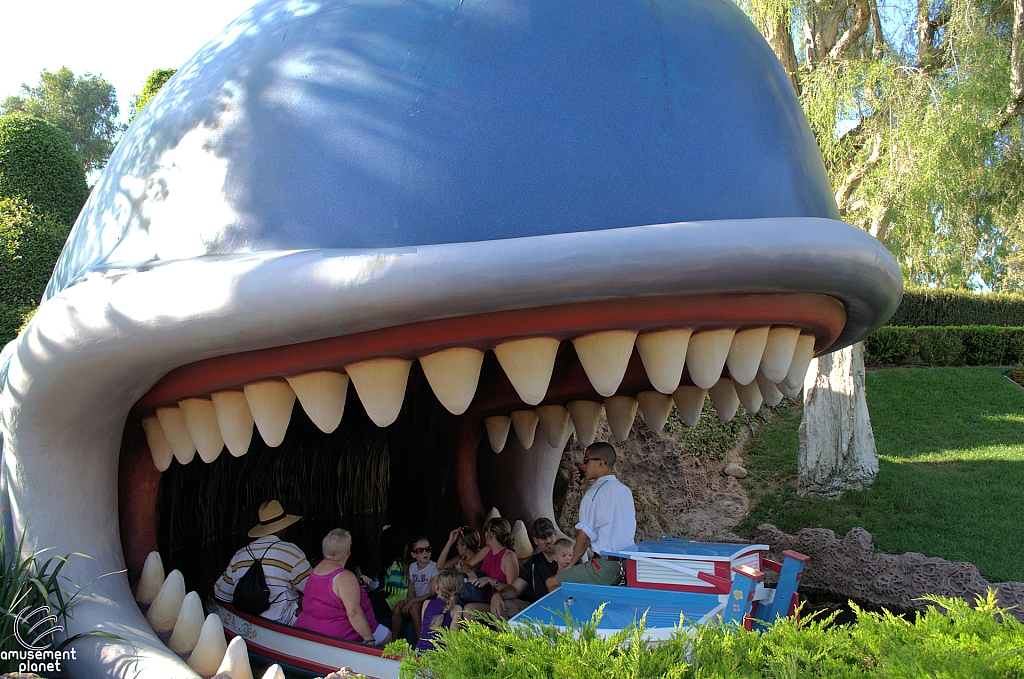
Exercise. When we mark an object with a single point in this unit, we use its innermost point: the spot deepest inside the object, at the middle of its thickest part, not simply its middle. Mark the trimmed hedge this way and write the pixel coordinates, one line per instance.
(30, 243)
(38, 163)
(927, 307)
(956, 345)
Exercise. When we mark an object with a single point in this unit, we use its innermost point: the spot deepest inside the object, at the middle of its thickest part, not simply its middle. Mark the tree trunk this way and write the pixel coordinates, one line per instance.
(837, 446)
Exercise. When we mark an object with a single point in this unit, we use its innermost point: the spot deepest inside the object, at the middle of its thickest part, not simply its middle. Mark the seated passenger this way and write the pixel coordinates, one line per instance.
(334, 603)
(466, 541)
(498, 565)
(442, 611)
(420, 570)
(284, 565)
(393, 541)
(535, 573)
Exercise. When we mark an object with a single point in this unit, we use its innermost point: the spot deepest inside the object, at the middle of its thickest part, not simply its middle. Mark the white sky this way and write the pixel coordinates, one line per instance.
(122, 40)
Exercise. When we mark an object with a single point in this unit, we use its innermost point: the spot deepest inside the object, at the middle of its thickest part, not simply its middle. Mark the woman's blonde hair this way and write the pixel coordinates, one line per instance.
(449, 583)
(502, 532)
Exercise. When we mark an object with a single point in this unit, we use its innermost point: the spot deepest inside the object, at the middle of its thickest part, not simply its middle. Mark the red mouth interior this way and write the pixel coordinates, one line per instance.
(423, 473)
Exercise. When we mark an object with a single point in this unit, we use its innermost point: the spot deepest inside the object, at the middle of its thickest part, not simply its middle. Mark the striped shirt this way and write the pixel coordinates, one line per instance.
(285, 567)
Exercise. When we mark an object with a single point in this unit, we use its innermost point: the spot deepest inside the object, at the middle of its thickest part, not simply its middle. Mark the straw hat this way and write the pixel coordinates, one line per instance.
(272, 519)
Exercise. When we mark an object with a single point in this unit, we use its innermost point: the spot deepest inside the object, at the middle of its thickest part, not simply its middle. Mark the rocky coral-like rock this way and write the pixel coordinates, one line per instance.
(850, 567)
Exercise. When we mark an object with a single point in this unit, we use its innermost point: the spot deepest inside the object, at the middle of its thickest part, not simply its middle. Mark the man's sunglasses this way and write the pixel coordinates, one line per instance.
(420, 550)
(590, 459)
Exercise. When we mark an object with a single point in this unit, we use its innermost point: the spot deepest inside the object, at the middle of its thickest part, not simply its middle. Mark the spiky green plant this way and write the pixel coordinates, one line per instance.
(27, 583)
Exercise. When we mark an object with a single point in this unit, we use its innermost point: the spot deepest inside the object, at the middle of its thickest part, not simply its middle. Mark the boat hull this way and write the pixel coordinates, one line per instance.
(305, 650)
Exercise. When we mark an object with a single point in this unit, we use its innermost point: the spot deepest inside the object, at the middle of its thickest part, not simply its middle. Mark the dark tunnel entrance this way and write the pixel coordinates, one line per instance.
(359, 477)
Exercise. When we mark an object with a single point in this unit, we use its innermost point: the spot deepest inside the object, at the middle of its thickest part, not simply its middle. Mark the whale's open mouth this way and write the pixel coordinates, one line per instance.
(448, 391)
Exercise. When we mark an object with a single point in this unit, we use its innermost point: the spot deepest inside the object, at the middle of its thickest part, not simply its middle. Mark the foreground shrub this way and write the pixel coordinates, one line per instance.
(945, 346)
(950, 639)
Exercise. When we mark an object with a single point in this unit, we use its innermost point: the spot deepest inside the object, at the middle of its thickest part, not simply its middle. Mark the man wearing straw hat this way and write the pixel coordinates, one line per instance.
(284, 564)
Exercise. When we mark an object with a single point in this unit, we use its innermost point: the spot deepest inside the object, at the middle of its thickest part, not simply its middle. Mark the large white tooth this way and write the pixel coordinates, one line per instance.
(173, 424)
(620, 410)
(585, 417)
(778, 353)
(271, 406)
(663, 354)
(528, 364)
(771, 394)
(750, 396)
(787, 392)
(322, 395)
(235, 420)
(164, 612)
(188, 626)
(604, 356)
(151, 579)
(690, 402)
(724, 399)
(380, 384)
(201, 422)
(523, 547)
(236, 660)
(802, 356)
(554, 420)
(493, 514)
(497, 431)
(745, 354)
(453, 375)
(273, 672)
(525, 423)
(656, 407)
(210, 648)
(706, 354)
(159, 448)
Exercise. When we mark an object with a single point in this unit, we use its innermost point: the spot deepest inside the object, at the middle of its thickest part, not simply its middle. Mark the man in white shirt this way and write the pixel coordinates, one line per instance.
(607, 520)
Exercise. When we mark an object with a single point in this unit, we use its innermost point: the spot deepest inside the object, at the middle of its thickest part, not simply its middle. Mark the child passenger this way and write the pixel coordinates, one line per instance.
(442, 611)
(563, 557)
(420, 570)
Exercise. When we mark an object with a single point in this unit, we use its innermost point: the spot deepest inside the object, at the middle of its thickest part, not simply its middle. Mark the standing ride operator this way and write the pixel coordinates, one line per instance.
(607, 520)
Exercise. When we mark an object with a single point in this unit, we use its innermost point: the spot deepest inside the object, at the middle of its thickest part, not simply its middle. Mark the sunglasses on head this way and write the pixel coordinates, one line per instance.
(420, 550)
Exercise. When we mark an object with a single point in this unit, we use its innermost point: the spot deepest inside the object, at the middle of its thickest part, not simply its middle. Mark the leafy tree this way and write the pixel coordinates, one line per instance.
(153, 84)
(30, 242)
(39, 165)
(920, 126)
(84, 108)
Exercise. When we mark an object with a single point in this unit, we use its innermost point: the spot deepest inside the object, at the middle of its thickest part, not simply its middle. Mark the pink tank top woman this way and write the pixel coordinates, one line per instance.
(324, 612)
(491, 566)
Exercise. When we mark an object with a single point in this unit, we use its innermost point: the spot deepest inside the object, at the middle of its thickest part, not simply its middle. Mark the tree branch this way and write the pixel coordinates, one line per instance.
(861, 22)
(857, 174)
(878, 45)
(1016, 105)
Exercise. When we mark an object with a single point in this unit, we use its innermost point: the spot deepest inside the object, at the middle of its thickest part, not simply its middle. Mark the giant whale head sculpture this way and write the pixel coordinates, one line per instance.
(457, 214)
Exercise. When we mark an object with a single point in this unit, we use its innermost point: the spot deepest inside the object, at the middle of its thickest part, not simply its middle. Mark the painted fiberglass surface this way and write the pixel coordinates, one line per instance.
(623, 606)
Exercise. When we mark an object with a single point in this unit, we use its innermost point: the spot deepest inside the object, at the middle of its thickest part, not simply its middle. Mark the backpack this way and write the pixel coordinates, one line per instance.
(252, 595)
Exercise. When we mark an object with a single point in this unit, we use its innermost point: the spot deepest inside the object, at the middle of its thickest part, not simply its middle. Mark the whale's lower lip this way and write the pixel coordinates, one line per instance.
(124, 340)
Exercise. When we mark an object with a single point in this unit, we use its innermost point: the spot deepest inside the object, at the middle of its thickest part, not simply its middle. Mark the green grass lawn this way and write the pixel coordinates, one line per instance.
(951, 470)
